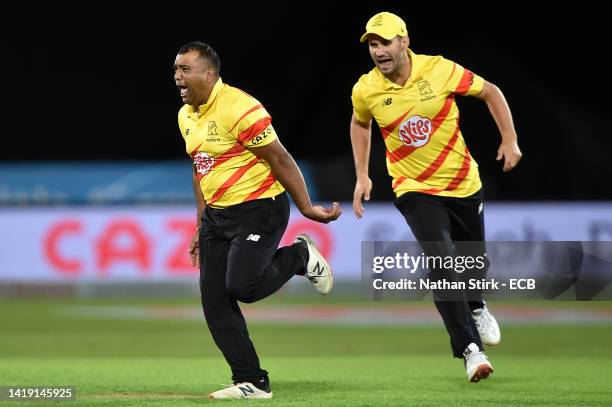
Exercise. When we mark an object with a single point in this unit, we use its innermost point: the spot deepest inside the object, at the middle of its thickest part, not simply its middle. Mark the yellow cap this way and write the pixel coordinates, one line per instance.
(385, 24)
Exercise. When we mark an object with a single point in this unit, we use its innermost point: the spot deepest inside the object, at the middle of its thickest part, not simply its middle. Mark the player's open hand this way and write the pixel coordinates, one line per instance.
(511, 153)
(324, 215)
(194, 249)
(363, 187)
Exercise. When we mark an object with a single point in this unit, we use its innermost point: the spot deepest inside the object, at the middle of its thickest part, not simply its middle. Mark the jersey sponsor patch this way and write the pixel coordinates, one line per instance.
(203, 162)
(415, 131)
(261, 136)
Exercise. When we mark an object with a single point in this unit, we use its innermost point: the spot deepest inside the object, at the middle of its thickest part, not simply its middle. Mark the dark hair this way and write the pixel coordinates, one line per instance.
(206, 52)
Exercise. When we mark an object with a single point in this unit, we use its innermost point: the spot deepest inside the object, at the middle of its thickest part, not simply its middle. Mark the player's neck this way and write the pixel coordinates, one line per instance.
(401, 75)
(202, 102)
(205, 97)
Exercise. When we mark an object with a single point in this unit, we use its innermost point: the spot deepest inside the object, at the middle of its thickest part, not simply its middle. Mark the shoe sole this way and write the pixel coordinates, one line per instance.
(482, 372)
(311, 243)
(258, 396)
(491, 343)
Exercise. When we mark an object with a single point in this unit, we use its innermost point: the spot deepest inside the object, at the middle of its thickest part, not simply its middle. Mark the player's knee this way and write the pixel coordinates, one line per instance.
(247, 299)
(240, 292)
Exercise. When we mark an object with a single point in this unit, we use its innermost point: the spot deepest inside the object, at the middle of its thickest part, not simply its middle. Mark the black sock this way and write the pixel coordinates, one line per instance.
(303, 251)
(474, 305)
(263, 383)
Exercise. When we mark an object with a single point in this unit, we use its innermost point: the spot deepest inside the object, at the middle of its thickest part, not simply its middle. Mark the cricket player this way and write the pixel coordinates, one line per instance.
(241, 177)
(435, 179)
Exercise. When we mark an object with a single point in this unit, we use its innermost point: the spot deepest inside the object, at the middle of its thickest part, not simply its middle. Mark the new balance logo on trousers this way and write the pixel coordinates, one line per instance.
(253, 237)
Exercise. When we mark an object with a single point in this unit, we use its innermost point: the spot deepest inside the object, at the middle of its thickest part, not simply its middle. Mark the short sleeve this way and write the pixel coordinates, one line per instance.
(260, 138)
(360, 108)
(253, 124)
(462, 81)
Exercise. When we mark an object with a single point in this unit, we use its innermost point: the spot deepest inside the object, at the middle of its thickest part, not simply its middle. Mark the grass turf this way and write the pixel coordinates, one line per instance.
(174, 362)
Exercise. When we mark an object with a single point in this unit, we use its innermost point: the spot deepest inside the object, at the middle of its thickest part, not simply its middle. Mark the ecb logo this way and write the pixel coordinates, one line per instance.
(203, 162)
(415, 131)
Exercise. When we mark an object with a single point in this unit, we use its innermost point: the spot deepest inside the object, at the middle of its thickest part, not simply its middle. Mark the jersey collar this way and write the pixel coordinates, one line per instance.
(211, 99)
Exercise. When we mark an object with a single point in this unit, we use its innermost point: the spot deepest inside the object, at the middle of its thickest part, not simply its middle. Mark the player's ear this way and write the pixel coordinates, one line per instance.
(210, 74)
(405, 41)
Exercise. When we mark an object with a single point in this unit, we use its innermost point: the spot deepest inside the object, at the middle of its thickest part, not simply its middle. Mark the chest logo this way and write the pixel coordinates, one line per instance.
(203, 162)
(212, 128)
(424, 88)
(415, 131)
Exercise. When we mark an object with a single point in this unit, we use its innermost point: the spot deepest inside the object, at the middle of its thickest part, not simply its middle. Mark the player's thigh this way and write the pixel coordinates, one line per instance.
(253, 248)
(429, 221)
(426, 215)
(467, 218)
(467, 230)
(213, 264)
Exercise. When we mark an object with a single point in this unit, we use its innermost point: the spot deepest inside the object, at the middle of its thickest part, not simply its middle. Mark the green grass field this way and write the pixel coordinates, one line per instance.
(173, 361)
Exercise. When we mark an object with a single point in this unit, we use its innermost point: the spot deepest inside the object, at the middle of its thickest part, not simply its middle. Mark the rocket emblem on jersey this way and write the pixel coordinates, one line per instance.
(212, 128)
(424, 88)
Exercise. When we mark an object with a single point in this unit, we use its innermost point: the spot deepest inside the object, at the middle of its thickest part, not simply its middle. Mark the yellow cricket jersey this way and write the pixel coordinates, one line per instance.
(420, 125)
(218, 137)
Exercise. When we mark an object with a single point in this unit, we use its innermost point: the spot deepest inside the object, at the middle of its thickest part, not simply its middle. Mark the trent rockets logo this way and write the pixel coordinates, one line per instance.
(203, 162)
(378, 20)
(415, 131)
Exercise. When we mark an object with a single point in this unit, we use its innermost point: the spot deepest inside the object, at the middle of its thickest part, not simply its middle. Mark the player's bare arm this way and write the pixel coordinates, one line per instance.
(194, 246)
(289, 175)
(361, 142)
(508, 149)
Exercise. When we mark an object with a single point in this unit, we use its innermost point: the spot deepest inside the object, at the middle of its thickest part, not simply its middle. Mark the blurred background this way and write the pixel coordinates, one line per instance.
(93, 169)
(96, 207)
(93, 82)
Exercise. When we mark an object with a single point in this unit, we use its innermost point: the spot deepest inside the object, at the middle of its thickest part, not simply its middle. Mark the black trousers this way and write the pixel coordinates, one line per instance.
(239, 261)
(438, 222)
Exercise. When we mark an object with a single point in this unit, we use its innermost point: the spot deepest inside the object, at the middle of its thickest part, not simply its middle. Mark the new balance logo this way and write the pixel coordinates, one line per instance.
(246, 390)
(318, 270)
(253, 237)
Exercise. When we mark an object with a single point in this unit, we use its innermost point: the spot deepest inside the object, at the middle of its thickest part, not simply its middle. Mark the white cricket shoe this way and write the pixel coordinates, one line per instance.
(477, 365)
(487, 326)
(317, 271)
(244, 390)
